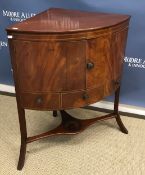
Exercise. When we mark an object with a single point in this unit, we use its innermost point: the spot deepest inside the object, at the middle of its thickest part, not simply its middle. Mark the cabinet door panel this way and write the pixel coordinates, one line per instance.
(76, 65)
(114, 62)
(41, 66)
(98, 53)
(107, 55)
(118, 45)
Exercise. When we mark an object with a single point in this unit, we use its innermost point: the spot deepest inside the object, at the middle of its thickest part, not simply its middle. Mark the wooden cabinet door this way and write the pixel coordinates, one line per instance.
(50, 66)
(107, 55)
(98, 54)
(41, 66)
(76, 65)
(118, 46)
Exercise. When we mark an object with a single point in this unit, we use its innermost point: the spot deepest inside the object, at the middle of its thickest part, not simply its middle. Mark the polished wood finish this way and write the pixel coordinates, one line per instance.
(65, 59)
(117, 116)
(50, 63)
(82, 98)
(69, 125)
(75, 64)
(57, 20)
(40, 101)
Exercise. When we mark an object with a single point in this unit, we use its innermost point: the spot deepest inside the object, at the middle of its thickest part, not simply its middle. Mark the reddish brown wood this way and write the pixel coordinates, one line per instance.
(40, 101)
(66, 59)
(69, 125)
(117, 54)
(22, 122)
(76, 65)
(82, 98)
(42, 59)
(117, 116)
(57, 20)
(21, 112)
(98, 53)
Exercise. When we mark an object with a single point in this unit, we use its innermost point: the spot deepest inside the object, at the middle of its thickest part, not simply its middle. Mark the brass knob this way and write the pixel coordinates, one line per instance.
(85, 96)
(39, 100)
(90, 65)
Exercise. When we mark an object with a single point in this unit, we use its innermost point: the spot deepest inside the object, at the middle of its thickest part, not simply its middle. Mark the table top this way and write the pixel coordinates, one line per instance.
(57, 20)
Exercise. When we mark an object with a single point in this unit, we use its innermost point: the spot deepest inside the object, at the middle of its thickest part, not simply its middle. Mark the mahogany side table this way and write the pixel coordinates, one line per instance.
(65, 59)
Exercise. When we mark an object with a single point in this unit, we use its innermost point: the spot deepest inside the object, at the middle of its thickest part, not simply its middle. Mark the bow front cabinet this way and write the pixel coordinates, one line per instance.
(64, 59)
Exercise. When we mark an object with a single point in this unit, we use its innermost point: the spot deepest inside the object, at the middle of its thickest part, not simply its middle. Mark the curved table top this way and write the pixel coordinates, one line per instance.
(56, 20)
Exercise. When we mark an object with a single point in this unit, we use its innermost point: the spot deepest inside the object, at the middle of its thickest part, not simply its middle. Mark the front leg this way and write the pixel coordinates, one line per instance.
(54, 113)
(23, 130)
(117, 116)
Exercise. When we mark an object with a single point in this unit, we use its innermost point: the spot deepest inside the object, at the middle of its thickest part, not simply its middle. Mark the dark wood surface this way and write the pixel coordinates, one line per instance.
(63, 69)
(61, 20)
(65, 59)
(44, 68)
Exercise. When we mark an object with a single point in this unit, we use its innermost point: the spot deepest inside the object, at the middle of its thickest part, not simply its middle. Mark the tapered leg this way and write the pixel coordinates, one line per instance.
(55, 113)
(23, 130)
(117, 116)
(121, 125)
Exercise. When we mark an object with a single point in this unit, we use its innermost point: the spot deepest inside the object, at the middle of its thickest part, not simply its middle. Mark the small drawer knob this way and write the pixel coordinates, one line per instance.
(90, 65)
(85, 96)
(39, 100)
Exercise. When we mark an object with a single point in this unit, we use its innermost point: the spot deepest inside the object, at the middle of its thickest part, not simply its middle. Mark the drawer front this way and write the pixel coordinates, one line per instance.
(82, 98)
(40, 101)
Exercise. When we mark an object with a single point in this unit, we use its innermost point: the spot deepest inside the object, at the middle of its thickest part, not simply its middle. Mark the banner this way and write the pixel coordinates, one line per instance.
(133, 80)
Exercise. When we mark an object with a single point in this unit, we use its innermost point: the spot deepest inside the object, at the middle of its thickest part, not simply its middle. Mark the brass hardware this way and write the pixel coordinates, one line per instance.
(90, 65)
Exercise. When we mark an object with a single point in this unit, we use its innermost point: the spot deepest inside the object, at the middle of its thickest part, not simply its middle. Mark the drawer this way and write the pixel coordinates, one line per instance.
(82, 98)
(41, 101)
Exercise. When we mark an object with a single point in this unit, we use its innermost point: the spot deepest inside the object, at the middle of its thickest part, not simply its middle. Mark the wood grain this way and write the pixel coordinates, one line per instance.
(56, 20)
(41, 101)
(61, 67)
(65, 59)
(41, 66)
(98, 52)
(78, 99)
(76, 65)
